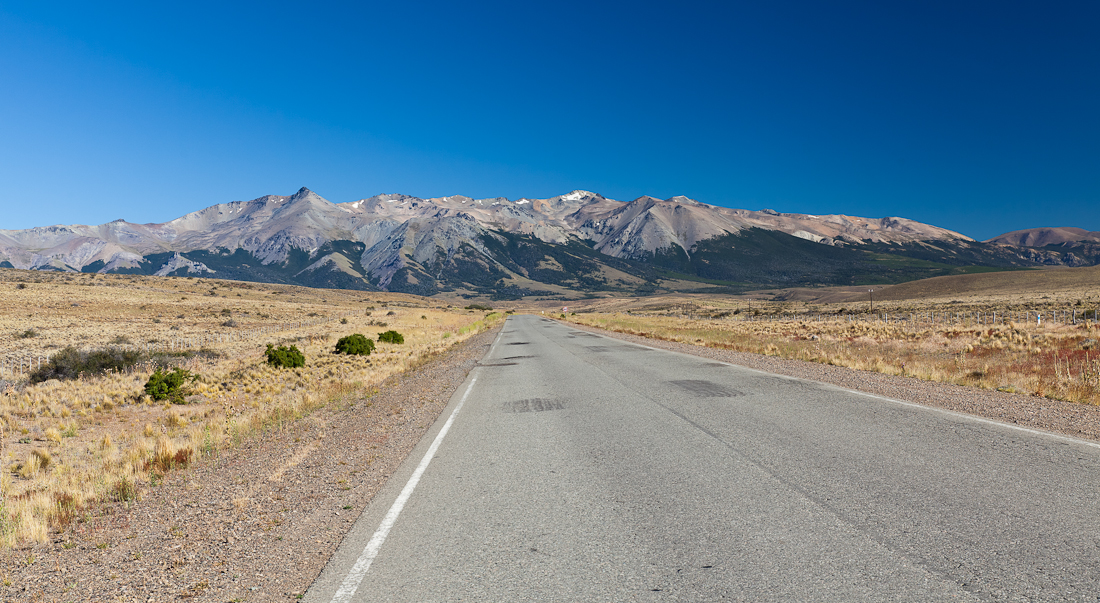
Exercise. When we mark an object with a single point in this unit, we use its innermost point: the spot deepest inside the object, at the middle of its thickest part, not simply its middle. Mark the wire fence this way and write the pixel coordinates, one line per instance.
(1048, 316)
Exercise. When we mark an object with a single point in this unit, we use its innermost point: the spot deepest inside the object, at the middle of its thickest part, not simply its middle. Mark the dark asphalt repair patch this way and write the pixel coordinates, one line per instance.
(518, 343)
(516, 357)
(706, 389)
(533, 405)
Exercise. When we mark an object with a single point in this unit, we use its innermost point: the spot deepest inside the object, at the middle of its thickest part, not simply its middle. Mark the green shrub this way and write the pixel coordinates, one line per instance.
(478, 307)
(391, 337)
(169, 386)
(285, 357)
(71, 363)
(357, 345)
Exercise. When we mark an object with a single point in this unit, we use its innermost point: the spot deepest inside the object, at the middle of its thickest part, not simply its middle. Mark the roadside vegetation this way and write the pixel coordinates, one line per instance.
(102, 422)
(949, 341)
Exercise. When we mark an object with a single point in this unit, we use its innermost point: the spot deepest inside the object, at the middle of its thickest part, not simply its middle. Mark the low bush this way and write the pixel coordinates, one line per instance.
(479, 307)
(284, 357)
(391, 337)
(71, 363)
(169, 386)
(356, 345)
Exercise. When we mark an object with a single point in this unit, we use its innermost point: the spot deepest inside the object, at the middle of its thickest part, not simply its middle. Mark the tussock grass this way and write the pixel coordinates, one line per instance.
(1059, 361)
(69, 445)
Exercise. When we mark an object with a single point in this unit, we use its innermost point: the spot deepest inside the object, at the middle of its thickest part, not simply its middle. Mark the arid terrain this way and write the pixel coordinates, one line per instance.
(69, 444)
(1031, 332)
(242, 492)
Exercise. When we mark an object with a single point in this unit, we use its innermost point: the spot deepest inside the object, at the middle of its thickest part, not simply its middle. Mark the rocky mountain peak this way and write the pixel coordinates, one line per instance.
(395, 240)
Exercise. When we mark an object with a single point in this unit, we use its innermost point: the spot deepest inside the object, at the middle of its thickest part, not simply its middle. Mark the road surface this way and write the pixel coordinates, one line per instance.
(584, 468)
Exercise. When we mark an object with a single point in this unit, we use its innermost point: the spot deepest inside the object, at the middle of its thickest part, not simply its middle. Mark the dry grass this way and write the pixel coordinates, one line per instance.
(67, 445)
(1060, 361)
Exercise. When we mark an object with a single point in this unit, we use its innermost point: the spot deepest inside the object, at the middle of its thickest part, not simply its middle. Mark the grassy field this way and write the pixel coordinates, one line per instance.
(66, 444)
(980, 330)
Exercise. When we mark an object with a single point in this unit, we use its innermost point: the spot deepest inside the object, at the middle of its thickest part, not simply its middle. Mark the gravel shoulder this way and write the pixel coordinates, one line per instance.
(257, 523)
(1067, 418)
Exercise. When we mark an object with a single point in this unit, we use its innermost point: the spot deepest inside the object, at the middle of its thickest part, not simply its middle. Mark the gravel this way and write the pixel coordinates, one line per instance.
(1068, 418)
(257, 523)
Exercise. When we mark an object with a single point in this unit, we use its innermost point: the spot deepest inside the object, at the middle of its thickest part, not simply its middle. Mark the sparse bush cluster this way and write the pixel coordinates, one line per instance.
(169, 385)
(81, 441)
(355, 345)
(71, 363)
(391, 337)
(284, 357)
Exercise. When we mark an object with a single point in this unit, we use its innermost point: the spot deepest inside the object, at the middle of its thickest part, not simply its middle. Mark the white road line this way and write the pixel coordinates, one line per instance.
(359, 570)
(934, 409)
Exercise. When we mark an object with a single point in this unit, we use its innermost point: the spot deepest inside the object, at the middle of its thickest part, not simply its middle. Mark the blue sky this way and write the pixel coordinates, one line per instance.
(981, 117)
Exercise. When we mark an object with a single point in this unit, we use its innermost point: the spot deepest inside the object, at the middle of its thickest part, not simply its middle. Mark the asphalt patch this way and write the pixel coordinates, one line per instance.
(533, 405)
(706, 389)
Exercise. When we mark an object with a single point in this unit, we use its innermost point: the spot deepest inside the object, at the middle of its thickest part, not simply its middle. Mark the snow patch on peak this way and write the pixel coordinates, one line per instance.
(576, 195)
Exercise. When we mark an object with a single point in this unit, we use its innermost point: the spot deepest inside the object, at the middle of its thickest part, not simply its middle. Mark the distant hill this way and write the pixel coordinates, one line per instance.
(1066, 245)
(580, 242)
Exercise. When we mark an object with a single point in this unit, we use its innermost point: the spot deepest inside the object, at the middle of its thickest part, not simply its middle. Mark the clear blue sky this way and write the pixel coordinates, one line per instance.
(982, 117)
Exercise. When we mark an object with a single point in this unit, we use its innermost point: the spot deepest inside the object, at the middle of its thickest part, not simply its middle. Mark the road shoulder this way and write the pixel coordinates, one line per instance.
(1057, 416)
(259, 522)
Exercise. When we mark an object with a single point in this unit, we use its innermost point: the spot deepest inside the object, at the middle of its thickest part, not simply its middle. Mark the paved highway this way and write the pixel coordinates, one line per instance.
(584, 468)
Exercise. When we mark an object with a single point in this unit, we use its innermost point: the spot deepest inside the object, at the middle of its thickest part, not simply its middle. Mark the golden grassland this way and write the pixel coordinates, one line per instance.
(940, 332)
(64, 445)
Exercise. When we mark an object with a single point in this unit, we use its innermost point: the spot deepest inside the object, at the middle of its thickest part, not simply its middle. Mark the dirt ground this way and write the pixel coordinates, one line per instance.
(255, 524)
(260, 522)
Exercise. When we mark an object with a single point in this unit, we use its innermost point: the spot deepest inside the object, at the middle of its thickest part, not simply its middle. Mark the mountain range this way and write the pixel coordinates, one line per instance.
(577, 242)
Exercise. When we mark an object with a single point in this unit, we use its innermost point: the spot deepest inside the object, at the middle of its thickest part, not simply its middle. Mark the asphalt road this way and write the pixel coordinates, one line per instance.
(585, 468)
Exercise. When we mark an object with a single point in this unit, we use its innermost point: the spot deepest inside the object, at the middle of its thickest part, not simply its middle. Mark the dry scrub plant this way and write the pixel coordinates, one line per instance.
(67, 445)
(1059, 361)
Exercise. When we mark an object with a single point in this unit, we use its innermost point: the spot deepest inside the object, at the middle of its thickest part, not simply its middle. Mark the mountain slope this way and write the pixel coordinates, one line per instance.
(580, 241)
(1066, 246)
